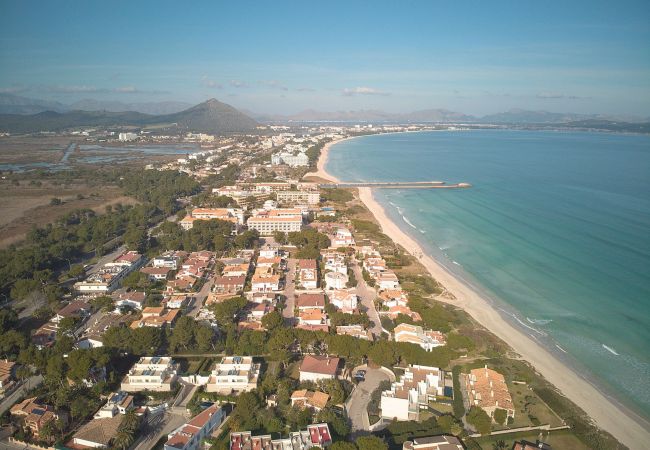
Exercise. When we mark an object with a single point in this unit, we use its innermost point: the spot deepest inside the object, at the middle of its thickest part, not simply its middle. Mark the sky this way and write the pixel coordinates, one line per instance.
(476, 57)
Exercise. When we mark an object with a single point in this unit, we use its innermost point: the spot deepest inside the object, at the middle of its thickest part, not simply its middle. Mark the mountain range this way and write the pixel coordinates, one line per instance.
(211, 116)
(24, 115)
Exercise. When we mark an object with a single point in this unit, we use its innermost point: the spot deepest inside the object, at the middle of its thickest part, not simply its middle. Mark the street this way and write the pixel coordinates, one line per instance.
(200, 298)
(357, 405)
(289, 291)
(367, 297)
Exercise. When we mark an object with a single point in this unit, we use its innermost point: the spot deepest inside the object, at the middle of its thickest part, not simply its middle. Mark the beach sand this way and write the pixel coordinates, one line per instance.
(607, 413)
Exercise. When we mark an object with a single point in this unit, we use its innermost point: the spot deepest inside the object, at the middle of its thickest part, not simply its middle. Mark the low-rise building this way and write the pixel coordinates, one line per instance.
(98, 433)
(156, 316)
(442, 442)
(317, 367)
(356, 331)
(315, 400)
(190, 435)
(388, 280)
(151, 373)
(487, 389)
(309, 197)
(156, 273)
(317, 435)
(336, 280)
(308, 273)
(232, 215)
(345, 301)
(415, 334)
(412, 392)
(342, 238)
(117, 403)
(132, 299)
(229, 284)
(7, 376)
(34, 414)
(310, 301)
(234, 374)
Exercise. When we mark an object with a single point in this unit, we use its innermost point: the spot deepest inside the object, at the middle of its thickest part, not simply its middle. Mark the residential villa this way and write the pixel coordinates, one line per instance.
(316, 367)
(131, 299)
(157, 317)
(34, 414)
(414, 334)
(442, 442)
(151, 373)
(316, 435)
(345, 301)
(265, 279)
(412, 392)
(336, 280)
(356, 331)
(97, 433)
(229, 284)
(315, 400)
(190, 435)
(310, 301)
(487, 389)
(7, 376)
(342, 238)
(234, 374)
(308, 273)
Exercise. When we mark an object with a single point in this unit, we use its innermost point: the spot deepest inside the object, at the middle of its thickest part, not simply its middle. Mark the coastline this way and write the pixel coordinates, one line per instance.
(606, 412)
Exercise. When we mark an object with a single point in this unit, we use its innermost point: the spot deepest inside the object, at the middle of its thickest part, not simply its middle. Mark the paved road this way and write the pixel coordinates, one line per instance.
(289, 290)
(200, 297)
(367, 295)
(357, 405)
(157, 426)
(29, 383)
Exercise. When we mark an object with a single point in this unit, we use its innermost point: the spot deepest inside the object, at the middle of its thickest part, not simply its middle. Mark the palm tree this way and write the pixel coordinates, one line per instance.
(499, 445)
(123, 439)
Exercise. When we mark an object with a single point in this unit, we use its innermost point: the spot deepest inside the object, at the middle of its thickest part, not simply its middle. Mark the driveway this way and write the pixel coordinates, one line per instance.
(357, 405)
(289, 290)
(157, 426)
(367, 296)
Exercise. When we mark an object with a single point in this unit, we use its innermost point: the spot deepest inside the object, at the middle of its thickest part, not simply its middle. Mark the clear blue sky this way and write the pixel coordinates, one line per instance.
(476, 57)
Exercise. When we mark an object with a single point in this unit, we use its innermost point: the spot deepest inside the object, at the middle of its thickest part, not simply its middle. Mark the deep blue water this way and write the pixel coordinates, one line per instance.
(556, 229)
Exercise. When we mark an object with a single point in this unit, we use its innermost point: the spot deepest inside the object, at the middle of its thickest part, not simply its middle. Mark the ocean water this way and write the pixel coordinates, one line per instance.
(556, 230)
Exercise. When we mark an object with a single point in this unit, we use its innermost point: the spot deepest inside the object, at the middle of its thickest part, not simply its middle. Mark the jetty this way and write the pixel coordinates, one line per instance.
(397, 185)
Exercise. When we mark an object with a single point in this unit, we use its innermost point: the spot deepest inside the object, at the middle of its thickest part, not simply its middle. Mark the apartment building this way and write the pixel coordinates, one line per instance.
(309, 197)
(356, 331)
(316, 435)
(234, 374)
(233, 215)
(412, 392)
(108, 278)
(151, 373)
(308, 273)
(487, 389)
(190, 435)
(267, 225)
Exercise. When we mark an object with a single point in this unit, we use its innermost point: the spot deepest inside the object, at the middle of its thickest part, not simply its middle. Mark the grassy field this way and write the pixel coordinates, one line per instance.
(30, 149)
(562, 439)
(26, 205)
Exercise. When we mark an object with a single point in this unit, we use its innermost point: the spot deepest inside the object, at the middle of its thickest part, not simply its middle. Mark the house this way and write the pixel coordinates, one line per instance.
(34, 414)
(336, 280)
(342, 238)
(156, 273)
(412, 392)
(156, 316)
(442, 442)
(316, 367)
(356, 331)
(393, 297)
(310, 301)
(315, 400)
(388, 280)
(132, 299)
(181, 284)
(229, 284)
(487, 389)
(345, 301)
(414, 334)
(236, 270)
(93, 336)
(234, 374)
(151, 373)
(7, 376)
(77, 309)
(178, 301)
(395, 311)
(315, 436)
(258, 310)
(270, 251)
(265, 280)
(308, 273)
(117, 403)
(335, 262)
(269, 262)
(98, 433)
(190, 435)
(527, 445)
(312, 317)
(170, 261)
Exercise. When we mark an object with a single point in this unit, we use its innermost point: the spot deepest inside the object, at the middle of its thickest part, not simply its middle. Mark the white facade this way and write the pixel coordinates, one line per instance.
(125, 137)
(234, 374)
(335, 280)
(151, 373)
(267, 225)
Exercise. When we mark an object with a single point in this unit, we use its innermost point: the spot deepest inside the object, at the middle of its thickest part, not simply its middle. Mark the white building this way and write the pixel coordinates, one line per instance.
(336, 280)
(151, 373)
(344, 300)
(190, 435)
(406, 397)
(415, 334)
(316, 367)
(234, 374)
(290, 159)
(267, 225)
(309, 197)
(125, 137)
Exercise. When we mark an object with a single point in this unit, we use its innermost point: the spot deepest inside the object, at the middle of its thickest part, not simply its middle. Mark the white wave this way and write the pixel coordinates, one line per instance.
(561, 349)
(611, 350)
(457, 263)
(539, 321)
(422, 231)
(514, 316)
(409, 222)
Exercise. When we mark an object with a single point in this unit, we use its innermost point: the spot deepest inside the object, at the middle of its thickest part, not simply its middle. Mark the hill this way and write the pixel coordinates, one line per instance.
(211, 116)
(16, 104)
(156, 108)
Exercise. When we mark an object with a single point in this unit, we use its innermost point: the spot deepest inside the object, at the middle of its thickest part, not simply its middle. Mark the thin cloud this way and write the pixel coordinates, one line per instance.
(84, 89)
(238, 84)
(210, 83)
(17, 89)
(275, 84)
(362, 90)
(557, 95)
(306, 89)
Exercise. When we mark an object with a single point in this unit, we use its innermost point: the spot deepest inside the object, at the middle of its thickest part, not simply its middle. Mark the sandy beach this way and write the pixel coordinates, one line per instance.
(605, 412)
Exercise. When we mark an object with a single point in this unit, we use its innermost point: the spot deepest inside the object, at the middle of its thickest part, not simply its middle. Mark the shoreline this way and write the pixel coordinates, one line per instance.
(607, 413)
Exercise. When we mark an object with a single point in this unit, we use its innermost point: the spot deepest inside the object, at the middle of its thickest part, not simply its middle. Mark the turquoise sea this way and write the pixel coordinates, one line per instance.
(555, 230)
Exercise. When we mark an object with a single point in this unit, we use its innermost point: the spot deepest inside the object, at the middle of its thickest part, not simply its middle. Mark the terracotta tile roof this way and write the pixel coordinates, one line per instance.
(310, 300)
(325, 365)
